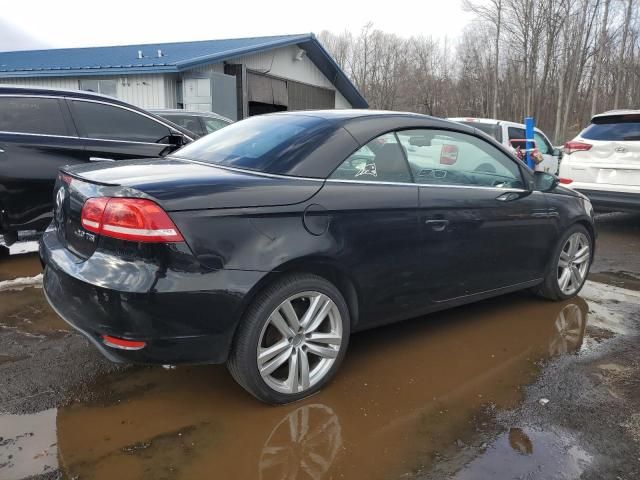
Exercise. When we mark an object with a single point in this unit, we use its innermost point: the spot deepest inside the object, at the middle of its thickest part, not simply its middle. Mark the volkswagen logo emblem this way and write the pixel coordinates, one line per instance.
(59, 206)
(621, 150)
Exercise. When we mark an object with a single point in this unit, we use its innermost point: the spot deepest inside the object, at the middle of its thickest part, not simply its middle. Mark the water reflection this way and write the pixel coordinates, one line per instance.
(520, 441)
(569, 330)
(302, 446)
(403, 393)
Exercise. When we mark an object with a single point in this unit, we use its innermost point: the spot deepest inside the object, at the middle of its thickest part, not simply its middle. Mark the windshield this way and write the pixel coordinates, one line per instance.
(613, 128)
(269, 143)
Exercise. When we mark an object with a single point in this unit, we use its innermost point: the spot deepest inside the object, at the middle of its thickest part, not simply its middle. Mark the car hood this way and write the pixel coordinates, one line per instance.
(178, 184)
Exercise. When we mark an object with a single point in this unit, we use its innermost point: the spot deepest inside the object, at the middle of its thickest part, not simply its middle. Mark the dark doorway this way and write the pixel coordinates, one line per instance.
(258, 108)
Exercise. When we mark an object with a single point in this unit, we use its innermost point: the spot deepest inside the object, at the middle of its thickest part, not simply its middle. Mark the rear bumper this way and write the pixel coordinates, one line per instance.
(184, 317)
(611, 200)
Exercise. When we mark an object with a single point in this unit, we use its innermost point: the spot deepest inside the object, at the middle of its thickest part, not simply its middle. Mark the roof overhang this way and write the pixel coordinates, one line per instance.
(308, 42)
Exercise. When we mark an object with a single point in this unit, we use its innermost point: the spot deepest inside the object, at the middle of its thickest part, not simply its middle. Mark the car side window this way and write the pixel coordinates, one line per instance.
(440, 157)
(97, 120)
(380, 160)
(213, 124)
(190, 122)
(542, 144)
(42, 116)
(515, 133)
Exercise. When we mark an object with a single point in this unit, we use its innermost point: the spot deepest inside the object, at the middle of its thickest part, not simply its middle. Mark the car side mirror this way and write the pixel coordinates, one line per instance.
(545, 182)
(176, 139)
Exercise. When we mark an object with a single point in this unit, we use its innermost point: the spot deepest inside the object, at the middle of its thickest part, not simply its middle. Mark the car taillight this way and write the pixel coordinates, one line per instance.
(574, 146)
(448, 154)
(133, 219)
(565, 181)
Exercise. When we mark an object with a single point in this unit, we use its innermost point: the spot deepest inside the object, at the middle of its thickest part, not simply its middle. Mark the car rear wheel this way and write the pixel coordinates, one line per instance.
(292, 339)
(570, 265)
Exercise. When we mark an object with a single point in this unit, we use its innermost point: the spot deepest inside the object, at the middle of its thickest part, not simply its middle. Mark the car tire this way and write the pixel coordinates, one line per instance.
(566, 261)
(262, 341)
(4, 251)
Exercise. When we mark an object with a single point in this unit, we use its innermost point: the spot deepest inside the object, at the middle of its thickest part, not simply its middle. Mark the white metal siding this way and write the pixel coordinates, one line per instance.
(281, 63)
(69, 83)
(146, 91)
(170, 91)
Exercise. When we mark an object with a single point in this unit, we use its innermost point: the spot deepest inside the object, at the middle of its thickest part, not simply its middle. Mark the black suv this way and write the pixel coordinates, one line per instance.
(43, 129)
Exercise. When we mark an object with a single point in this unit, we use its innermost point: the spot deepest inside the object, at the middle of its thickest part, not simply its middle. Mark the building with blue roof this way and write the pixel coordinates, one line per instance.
(233, 77)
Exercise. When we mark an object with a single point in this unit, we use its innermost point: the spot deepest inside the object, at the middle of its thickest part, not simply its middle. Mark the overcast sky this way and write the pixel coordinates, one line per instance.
(73, 23)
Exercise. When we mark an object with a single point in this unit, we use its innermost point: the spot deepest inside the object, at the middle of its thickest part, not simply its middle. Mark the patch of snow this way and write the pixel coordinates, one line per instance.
(20, 283)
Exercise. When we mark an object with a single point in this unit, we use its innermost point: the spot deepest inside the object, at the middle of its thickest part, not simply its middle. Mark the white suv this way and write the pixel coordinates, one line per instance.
(603, 161)
(507, 132)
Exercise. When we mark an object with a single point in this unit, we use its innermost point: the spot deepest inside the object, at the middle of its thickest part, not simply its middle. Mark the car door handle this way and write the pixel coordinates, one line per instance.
(101, 159)
(437, 225)
(508, 197)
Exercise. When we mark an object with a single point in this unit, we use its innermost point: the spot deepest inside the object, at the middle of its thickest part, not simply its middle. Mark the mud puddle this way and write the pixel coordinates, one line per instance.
(24, 309)
(16, 266)
(28, 445)
(405, 395)
(617, 246)
(403, 392)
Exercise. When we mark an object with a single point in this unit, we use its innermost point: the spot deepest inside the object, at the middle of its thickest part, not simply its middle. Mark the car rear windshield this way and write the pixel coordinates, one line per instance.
(269, 143)
(488, 128)
(619, 128)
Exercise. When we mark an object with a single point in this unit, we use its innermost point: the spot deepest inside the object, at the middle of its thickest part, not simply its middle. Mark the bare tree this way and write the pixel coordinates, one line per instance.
(623, 46)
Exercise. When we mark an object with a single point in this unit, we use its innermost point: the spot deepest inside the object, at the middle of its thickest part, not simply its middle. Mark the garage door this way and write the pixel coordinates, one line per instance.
(307, 97)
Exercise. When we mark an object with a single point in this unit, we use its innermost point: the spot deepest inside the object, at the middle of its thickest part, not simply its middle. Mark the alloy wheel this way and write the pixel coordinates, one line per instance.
(299, 342)
(573, 263)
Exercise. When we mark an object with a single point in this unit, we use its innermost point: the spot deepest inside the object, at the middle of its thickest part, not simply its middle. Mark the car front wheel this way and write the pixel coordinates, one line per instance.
(570, 265)
(291, 340)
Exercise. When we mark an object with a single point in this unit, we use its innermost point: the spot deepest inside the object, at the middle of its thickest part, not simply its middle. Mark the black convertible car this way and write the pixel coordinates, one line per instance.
(266, 244)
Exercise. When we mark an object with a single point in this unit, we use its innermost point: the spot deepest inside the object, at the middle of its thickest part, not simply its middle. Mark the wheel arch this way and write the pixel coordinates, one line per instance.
(588, 225)
(320, 266)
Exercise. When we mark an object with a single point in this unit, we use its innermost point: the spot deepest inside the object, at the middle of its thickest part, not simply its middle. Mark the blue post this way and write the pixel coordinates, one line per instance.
(529, 124)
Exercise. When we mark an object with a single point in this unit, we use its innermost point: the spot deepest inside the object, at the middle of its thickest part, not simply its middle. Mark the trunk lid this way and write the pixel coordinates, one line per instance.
(177, 184)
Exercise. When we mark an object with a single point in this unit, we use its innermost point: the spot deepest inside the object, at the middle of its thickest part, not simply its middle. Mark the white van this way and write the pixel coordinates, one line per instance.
(506, 132)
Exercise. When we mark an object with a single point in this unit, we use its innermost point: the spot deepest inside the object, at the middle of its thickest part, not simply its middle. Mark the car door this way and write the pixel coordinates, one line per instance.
(114, 132)
(482, 229)
(373, 202)
(36, 139)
